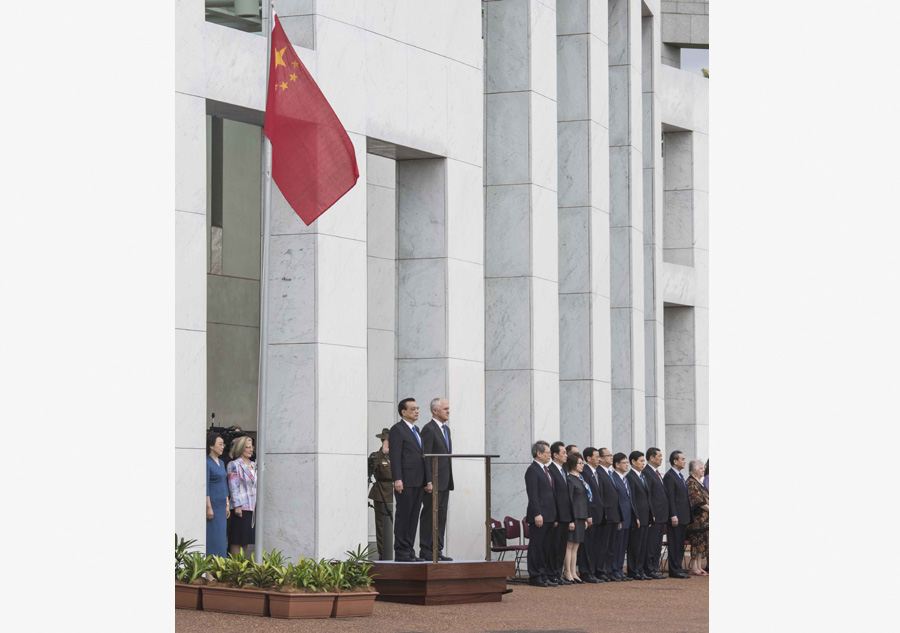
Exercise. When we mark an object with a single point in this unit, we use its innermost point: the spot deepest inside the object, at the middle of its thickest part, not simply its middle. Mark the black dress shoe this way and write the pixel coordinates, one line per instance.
(590, 579)
(537, 583)
(444, 558)
(614, 578)
(422, 560)
(552, 582)
(625, 578)
(404, 559)
(577, 581)
(657, 576)
(601, 578)
(564, 581)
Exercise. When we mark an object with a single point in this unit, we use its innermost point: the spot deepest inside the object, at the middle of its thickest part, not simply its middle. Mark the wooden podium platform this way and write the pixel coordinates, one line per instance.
(454, 582)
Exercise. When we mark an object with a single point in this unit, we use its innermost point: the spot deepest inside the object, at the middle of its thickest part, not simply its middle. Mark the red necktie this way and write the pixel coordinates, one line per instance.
(547, 470)
(657, 474)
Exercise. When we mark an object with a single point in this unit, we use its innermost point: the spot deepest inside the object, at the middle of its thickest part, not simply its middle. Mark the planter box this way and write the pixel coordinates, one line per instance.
(300, 605)
(349, 605)
(187, 597)
(228, 600)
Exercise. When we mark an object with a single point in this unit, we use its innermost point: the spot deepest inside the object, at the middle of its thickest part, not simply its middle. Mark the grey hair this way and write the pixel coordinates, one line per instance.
(695, 463)
(435, 404)
(539, 447)
(240, 443)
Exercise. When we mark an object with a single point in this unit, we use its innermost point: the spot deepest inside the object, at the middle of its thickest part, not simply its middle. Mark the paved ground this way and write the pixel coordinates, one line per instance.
(674, 606)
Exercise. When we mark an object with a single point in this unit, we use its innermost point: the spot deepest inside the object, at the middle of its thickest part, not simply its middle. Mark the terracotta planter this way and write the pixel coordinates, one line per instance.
(228, 600)
(187, 597)
(350, 605)
(300, 605)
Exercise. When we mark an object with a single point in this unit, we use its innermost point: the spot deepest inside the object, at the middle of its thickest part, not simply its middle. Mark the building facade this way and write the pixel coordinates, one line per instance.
(528, 238)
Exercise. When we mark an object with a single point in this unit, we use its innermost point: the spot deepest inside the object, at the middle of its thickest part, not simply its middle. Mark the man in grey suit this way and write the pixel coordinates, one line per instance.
(436, 439)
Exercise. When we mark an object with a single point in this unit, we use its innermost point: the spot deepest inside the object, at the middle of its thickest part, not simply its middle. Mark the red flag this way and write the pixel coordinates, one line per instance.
(313, 162)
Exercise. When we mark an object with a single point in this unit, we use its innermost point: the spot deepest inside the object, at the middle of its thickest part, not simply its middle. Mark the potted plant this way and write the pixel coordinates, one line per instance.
(189, 579)
(233, 591)
(186, 597)
(353, 580)
(301, 591)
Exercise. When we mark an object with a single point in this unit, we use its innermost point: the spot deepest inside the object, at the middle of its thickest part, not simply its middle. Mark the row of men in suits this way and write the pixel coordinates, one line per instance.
(413, 482)
(630, 503)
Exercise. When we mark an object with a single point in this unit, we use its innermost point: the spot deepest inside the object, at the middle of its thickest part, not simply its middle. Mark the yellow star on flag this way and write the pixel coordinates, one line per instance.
(295, 64)
(283, 86)
(293, 77)
(279, 57)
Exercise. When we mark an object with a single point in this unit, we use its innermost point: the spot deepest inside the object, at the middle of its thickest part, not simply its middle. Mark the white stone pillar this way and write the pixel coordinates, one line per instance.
(583, 138)
(521, 254)
(440, 321)
(626, 225)
(653, 235)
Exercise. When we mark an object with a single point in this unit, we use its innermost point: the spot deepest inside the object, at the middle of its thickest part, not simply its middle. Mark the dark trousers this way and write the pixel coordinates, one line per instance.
(408, 505)
(637, 550)
(379, 525)
(539, 545)
(654, 547)
(586, 560)
(426, 525)
(558, 549)
(676, 548)
(603, 554)
(620, 549)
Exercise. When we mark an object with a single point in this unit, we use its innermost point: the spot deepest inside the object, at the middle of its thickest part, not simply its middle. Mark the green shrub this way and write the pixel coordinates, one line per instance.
(182, 551)
(195, 565)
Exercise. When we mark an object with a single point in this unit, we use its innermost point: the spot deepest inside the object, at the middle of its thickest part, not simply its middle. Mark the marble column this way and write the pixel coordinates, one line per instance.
(521, 254)
(583, 198)
(654, 396)
(440, 321)
(190, 273)
(687, 326)
(626, 226)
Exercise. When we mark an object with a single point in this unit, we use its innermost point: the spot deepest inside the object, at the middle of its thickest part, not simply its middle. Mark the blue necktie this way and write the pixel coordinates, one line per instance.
(683, 481)
(627, 489)
(588, 488)
(643, 481)
(446, 437)
(416, 433)
(611, 477)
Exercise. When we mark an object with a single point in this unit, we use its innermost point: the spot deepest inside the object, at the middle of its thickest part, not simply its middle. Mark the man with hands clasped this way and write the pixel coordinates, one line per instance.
(408, 470)
(541, 515)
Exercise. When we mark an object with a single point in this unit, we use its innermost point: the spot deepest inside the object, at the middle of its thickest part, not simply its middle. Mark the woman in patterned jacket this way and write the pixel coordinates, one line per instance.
(242, 485)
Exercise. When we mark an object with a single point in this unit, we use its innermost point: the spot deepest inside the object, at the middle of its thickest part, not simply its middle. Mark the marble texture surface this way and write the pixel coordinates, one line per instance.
(545, 325)
(573, 164)
(678, 284)
(544, 234)
(231, 53)
(678, 158)
(341, 59)
(508, 405)
(421, 311)
(574, 250)
(506, 46)
(381, 366)
(341, 399)
(189, 467)
(291, 399)
(341, 526)
(543, 135)
(508, 225)
(381, 222)
(679, 325)
(465, 114)
(421, 200)
(421, 379)
(508, 327)
(465, 310)
(427, 109)
(190, 154)
(190, 389)
(508, 484)
(381, 294)
(300, 29)
(381, 171)
(287, 525)
(387, 17)
(190, 77)
(292, 288)
(508, 138)
(572, 77)
(684, 99)
(680, 407)
(575, 337)
(467, 405)
(543, 48)
(386, 82)
(465, 212)
(190, 271)
(341, 291)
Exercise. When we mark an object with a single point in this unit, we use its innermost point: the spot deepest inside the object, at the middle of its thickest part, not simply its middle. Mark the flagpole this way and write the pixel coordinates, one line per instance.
(264, 307)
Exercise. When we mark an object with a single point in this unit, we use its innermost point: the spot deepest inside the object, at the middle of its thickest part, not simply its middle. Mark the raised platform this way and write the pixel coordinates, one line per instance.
(455, 582)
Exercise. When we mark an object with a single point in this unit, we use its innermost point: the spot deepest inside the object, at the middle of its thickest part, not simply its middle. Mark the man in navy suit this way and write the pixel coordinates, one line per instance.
(541, 515)
(659, 511)
(436, 439)
(408, 471)
(640, 518)
(626, 507)
(679, 513)
(588, 552)
(563, 513)
(613, 516)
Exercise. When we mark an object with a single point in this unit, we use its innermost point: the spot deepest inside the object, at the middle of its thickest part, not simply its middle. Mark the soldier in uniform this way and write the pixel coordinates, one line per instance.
(382, 493)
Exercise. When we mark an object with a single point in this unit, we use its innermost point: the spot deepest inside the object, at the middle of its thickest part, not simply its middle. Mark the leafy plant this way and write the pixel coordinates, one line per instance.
(233, 570)
(182, 551)
(266, 573)
(321, 577)
(195, 565)
(340, 578)
(359, 567)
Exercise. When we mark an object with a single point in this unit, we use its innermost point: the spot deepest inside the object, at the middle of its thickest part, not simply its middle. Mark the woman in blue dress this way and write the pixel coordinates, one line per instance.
(216, 498)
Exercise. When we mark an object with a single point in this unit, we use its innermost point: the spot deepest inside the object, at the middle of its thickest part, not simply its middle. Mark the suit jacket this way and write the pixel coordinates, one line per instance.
(433, 441)
(659, 502)
(640, 497)
(541, 499)
(596, 504)
(578, 497)
(677, 494)
(625, 504)
(561, 492)
(610, 497)
(407, 463)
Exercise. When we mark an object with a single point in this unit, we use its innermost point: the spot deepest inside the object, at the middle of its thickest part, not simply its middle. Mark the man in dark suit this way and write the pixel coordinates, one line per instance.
(659, 511)
(563, 513)
(408, 471)
(588, 552)
(436, 439)
(626, 507)
(613, 515)
(540, 515)
(640, 521)
(679, 513)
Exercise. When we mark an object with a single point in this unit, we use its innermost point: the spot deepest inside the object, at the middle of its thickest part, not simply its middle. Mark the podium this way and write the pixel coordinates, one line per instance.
(452, 582)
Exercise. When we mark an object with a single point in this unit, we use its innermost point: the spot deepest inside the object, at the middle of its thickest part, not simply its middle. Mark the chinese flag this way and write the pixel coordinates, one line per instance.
(313, 162)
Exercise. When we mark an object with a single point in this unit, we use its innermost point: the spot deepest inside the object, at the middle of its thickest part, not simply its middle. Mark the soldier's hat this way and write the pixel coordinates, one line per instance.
(385, 432)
